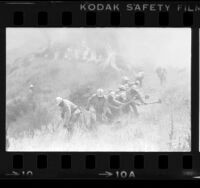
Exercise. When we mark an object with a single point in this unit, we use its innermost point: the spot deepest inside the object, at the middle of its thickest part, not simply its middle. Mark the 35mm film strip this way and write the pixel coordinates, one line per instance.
(99, 90)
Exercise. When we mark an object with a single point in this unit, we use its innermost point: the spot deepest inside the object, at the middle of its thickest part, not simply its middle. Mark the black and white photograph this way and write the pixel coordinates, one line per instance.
(98, 89)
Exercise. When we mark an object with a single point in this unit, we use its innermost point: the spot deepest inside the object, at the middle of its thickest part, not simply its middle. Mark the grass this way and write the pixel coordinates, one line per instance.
(160, 127)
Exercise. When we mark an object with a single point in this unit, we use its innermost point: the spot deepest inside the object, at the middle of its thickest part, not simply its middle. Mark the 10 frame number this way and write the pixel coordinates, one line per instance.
(124, 174)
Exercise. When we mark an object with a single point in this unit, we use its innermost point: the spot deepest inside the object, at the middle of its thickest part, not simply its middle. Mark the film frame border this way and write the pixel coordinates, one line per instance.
(115, 165)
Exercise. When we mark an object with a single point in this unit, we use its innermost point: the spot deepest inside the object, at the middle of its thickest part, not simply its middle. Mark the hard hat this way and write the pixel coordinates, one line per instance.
(58, 100)
(122, 88)
(123, 95)
(125, 79)
(137, 82)
(31, 86)
(100, 92)
(134, 86)
(112, 93)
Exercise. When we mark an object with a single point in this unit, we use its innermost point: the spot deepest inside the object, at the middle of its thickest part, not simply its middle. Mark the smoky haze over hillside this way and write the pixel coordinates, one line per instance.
(132, 44)
(73, 63)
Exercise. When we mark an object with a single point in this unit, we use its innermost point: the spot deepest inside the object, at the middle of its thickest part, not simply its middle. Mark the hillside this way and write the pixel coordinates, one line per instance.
(74, 72)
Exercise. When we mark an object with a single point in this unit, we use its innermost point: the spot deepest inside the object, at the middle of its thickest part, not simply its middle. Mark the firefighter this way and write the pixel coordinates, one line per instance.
(31, 88)
(125, 80)
(162, 74)
(139, 78)
(69, 112)
(133, 96)
(31, 98)
(98, 102)
(115, 106)
(126, 108)
(120, 90)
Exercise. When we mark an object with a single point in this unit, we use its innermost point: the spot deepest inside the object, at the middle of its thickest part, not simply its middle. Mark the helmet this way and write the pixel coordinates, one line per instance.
(112, 93)
(123, 95)
(58, 100)
(137, 82)
(100, 92)
(134, 87)
(122, 88)
(125, 79)
(131, 83)
(31, 86)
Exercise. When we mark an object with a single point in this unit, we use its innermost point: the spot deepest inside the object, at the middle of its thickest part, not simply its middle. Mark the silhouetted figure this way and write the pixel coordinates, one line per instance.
(162, 74)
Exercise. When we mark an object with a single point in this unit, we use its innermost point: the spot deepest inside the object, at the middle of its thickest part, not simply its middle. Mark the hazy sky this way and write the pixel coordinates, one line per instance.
(166, 46)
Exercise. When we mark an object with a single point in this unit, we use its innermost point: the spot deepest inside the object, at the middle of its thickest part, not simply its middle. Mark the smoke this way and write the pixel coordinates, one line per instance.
(123, 51)
(161, 46)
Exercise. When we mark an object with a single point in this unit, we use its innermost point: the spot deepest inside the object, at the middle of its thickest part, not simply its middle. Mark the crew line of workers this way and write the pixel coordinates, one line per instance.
(106, 107)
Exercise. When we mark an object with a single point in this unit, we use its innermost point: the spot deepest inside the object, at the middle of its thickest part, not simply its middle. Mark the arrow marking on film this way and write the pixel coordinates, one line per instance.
(106, 174)
(14, 173)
